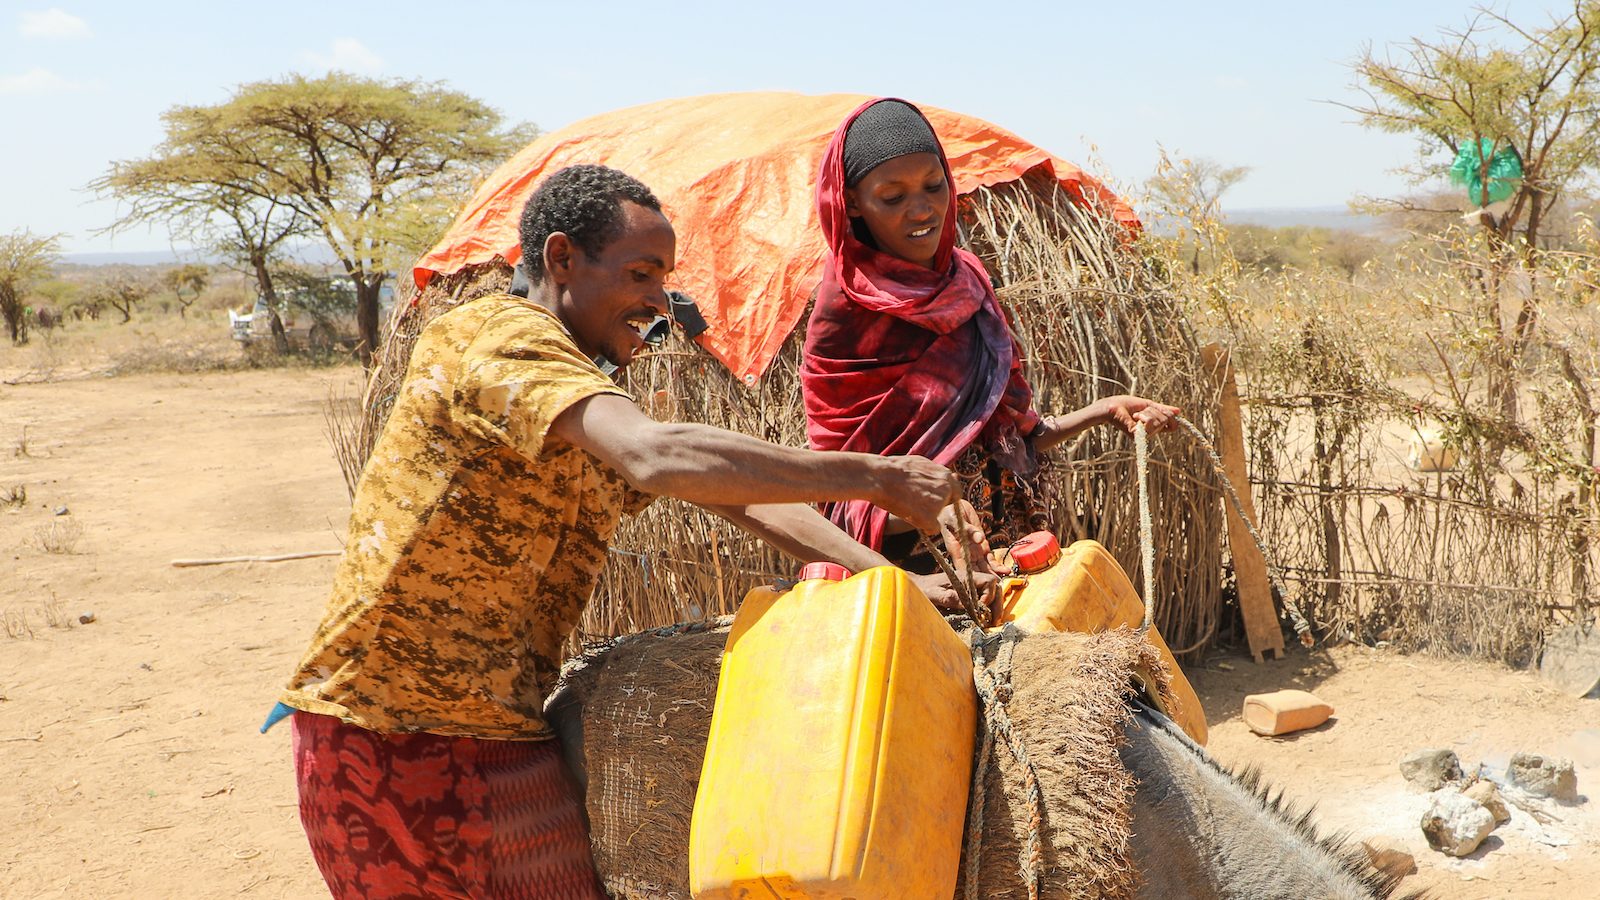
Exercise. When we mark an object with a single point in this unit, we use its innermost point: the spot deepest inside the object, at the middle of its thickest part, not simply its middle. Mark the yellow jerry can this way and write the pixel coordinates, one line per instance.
(1083, 589)
(840, 751)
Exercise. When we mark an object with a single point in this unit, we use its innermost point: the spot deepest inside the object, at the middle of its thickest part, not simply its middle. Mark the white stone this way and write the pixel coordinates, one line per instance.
(1456, 825)
(1544, 776)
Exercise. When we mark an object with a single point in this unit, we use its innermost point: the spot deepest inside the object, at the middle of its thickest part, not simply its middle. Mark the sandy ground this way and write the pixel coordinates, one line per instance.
(132, 762)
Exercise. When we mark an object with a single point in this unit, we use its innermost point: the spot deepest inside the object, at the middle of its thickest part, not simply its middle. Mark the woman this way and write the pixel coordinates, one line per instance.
(907, 351)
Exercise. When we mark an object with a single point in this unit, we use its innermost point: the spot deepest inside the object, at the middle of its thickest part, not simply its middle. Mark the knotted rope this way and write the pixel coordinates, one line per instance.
(993, 680)
(1147, 543)
(966, 589)
(1301, 626)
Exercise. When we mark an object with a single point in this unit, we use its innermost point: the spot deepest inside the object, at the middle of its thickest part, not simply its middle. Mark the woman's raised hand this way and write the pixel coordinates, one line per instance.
(1125, 410)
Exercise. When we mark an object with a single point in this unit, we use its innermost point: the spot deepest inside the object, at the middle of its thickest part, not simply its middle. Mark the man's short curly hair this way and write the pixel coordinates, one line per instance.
(585, 204)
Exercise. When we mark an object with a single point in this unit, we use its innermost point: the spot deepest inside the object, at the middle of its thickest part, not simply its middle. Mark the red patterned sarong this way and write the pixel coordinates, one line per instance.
(414, 816)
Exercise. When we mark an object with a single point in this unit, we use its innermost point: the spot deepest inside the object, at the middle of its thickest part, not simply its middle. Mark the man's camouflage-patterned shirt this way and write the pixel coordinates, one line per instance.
(474, 542)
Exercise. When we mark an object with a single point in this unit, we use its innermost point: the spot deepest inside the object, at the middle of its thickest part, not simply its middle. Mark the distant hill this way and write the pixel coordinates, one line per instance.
(310, 254)
(1335, 217)
(146, 258)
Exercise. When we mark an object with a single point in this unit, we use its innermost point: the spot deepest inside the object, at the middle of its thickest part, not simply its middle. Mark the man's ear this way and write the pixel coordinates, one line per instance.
(558, 250)
(850, 208)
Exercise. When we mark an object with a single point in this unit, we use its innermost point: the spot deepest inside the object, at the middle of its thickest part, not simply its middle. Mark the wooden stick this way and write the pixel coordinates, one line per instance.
(180, 563)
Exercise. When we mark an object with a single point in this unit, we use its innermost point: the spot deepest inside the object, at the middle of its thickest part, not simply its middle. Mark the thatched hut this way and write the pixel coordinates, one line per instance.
(734, 173)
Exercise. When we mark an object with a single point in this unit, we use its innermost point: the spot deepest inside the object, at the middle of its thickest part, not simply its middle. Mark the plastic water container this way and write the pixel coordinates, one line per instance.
(1083, 589)
(840, 751)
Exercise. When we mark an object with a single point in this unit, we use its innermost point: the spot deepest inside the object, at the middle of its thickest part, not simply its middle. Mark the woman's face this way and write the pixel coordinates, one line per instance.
(903, 203)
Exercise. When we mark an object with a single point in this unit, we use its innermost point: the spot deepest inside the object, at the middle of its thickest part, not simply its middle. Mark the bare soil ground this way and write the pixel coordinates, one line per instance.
(133, 765)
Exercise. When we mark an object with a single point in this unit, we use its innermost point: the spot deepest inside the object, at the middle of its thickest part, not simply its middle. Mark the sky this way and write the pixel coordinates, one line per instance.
(1103, 84)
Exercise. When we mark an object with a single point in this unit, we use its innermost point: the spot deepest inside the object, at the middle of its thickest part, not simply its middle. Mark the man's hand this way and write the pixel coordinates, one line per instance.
(963, 535)
(917, 489)
(938, 589)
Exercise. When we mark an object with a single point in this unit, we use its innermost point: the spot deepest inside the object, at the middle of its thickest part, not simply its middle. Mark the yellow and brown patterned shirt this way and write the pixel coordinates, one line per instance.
(474, 541)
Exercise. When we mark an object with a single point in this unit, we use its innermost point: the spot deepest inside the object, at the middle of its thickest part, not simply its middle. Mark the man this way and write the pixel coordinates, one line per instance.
(479, 528)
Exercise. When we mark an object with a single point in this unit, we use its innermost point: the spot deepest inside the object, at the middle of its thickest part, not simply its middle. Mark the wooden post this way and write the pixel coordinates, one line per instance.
(1249, 566)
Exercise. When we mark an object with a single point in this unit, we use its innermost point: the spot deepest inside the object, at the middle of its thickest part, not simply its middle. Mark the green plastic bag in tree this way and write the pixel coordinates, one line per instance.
(1504, 171)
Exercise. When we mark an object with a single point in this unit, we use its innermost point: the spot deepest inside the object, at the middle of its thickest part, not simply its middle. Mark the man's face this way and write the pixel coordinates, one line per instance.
(609, 300)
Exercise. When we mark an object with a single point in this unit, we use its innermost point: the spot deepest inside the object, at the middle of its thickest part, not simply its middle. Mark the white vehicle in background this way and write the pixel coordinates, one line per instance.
(328, 302)
(257, 323)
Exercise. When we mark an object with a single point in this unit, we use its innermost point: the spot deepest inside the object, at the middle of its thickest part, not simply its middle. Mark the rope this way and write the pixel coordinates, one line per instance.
(966, 590)
(1147, 544)
(993, 681)
(1301, 626)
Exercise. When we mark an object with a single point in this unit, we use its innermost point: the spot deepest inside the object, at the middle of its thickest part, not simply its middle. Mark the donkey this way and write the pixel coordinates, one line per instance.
(1201, 832)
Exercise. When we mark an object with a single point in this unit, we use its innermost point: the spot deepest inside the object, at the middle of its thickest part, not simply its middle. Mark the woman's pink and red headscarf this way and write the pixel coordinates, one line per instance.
(900, 359)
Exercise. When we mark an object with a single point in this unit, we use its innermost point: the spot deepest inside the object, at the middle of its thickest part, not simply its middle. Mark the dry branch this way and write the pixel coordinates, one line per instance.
(183, 563)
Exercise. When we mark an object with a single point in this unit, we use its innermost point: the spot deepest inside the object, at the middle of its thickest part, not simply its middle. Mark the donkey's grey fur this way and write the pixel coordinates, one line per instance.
(1200, 833)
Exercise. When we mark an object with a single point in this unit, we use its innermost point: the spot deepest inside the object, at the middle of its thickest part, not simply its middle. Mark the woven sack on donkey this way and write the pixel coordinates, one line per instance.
(633, 719)
(634, 716)
(1067, 707)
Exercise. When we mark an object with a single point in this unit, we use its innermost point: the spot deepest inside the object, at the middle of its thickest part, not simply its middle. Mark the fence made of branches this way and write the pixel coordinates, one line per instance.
(1406, 499)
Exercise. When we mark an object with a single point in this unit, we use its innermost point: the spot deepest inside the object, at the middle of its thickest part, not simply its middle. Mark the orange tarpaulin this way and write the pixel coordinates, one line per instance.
(734, 173)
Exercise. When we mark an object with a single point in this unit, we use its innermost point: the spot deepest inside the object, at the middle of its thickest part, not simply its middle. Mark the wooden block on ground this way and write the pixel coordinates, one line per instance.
(1249, 566)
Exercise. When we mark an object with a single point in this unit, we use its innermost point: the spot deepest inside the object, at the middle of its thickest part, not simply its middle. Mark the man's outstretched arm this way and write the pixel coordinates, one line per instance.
(801, 532)
(713, 467)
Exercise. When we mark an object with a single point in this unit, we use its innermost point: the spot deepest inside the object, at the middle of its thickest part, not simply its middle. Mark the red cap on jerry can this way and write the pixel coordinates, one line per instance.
(1038, 550)
(825, 571)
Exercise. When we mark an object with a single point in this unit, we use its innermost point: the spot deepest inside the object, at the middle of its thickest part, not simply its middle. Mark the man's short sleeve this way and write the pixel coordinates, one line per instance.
(518, 373)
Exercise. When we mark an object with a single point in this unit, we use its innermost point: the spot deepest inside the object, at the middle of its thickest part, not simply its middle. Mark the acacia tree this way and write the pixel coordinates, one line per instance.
(365, 164)
(1497, 86)
(205, 204)
(1189, 191)
(122, 293)
(25, 259)
(191, 277)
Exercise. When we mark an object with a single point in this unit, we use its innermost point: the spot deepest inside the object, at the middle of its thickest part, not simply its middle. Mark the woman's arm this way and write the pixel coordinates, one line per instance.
(1124, 410)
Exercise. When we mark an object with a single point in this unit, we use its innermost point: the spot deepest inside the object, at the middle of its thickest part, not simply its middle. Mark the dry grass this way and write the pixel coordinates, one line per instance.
(154, 343)
(23, 448)
(60, 536)
(16, 623)
(179, 358)
(341, 424)
(14, 498)
(55, 613)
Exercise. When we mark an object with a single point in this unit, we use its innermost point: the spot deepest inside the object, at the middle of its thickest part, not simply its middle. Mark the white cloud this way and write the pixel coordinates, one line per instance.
(348, 55)
(1231, 82)
(53, 25)
(41, 81)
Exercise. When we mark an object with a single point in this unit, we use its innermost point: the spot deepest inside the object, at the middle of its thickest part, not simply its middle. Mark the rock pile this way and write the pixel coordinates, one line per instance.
(1465, 810)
